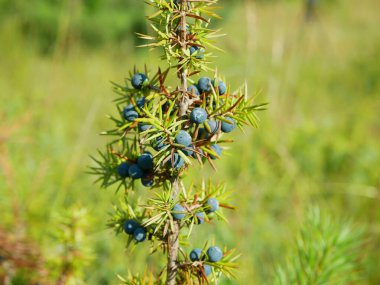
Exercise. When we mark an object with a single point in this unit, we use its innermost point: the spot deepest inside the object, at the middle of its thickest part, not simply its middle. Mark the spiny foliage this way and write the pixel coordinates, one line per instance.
(160, 130)
(326, 252)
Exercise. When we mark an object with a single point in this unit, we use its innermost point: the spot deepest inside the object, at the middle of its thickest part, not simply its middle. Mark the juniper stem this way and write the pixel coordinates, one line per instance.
(173, 237)
(183, 69)
(173, 242)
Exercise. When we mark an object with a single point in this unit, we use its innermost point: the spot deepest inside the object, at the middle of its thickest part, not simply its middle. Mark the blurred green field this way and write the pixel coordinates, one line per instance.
(318, 143)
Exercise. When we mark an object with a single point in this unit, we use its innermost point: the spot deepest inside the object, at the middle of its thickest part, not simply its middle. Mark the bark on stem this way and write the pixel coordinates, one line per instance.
(173, 243)
(173, 237)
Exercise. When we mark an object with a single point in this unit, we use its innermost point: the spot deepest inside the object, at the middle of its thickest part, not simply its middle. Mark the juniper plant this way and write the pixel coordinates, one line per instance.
(162, 130)
(326, 251)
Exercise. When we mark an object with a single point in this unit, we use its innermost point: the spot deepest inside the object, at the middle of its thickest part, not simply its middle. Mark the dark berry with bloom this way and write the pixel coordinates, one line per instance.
(228, 127)
(193, 89)
(135, 171)
(217, 149)
(179, 212)
(183, 138)
(213, 204)
(198, 115)
(196, 254)
(200, 218)
(139, 234)
(214, 254)
(145, 161)
(123, 168)
(139, 80)
(130, 226)
(204, 84)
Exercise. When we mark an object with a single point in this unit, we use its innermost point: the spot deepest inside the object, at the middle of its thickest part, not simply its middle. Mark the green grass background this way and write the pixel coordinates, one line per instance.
(318, 143)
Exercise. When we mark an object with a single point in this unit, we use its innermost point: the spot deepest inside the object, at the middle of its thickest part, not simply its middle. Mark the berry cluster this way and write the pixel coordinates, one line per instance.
(131, 227)
(196, 212)
(213, 254)
(142, 169)
(196, 136)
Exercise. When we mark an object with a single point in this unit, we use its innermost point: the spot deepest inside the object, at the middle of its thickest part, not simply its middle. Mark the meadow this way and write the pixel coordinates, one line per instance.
(318, 144)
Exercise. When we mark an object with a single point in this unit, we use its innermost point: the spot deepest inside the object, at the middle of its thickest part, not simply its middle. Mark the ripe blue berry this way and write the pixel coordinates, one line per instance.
(214, 254)
(217, 149)
(147, 181)
(198, 115)
(178, 161)
(228, 127)
(207, 269)
(130, 107)
(202, 134)
(179, 29)
(144, 127)
(183, 138)
(214, 126)
(130, 226)
(198, 50)
(158, 143)
(145, 161)
(123, 168)
(178, 212)
(213, 205)
(135, 171)
(193, 89)
(188, 151)
(204, 84)
(222, 88)
(140, 102)
(130, 113)
(195, 254)
(139, 234)
(177, 2)
(139, 80)
(200, 218)
(199, 151)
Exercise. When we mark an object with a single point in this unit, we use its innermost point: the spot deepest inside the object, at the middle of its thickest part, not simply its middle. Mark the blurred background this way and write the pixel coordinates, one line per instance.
(316, 62)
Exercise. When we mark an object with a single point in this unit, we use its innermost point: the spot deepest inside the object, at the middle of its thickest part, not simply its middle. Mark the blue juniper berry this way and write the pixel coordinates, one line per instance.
(123, 168)
(183, 138)
(213, 204)
(193, 89)
(135, 171)
(228, 127)
(139, 234)
(139, 80)
(130, 226)
(217, 149)
(145, 161)
(130, 114)
(199, 52)
(198, 115)
(214, 254)
(179, 212)
(214, 126)
(200, 218)
(204, 84)
(195, 254)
